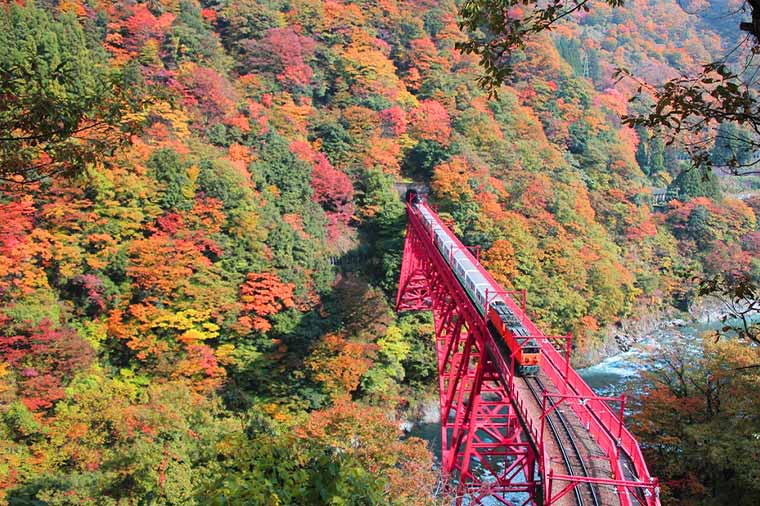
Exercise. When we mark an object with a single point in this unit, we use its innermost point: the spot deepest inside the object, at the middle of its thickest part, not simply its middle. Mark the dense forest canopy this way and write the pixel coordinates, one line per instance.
(201, 236)
(715, 103)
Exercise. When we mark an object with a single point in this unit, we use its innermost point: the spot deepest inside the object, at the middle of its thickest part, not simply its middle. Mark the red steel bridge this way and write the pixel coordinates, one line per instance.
(506, 439)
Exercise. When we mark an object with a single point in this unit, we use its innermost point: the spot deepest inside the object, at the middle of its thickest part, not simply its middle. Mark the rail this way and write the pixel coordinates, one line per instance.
(604, 425)
(565, 457)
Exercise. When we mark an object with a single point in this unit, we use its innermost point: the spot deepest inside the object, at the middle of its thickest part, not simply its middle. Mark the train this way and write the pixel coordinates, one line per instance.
(510, 335)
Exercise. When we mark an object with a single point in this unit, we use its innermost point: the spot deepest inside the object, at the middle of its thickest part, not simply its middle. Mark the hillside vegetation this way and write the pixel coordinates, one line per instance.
(196, 282)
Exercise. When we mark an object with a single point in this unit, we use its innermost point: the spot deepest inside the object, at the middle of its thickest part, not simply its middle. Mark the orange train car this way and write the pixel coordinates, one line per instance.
(511, 337)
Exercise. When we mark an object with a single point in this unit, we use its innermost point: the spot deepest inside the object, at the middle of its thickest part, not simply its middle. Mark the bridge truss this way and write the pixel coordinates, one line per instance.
(492, 432)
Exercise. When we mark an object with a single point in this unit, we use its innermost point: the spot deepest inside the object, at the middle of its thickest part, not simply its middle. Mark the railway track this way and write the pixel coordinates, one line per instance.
(585, 493)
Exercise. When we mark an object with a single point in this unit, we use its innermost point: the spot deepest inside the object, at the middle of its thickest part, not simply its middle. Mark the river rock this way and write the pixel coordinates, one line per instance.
(624, 341)
(431, 412)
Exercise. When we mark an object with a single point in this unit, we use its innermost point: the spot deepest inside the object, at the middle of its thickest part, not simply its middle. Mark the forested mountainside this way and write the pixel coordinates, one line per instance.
(204, 315)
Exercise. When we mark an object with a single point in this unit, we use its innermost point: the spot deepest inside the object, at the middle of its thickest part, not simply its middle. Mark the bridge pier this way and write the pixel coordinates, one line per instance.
(494, 448)
(485, 452)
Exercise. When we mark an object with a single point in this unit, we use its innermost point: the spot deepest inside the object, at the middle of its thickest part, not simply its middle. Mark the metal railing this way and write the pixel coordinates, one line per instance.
(604, 426)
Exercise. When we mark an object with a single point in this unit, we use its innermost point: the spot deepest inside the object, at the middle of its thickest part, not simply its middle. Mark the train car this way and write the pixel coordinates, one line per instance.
(509, 334)
(503, 322)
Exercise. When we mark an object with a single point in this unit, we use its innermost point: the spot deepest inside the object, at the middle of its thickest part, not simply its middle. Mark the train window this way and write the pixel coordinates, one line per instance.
(519, 330)
(500, 307)
(503, 310)
(510, 319)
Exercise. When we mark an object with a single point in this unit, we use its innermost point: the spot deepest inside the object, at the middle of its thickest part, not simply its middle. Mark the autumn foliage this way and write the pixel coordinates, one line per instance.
(203, 315)
(263, 295)
(44, 359)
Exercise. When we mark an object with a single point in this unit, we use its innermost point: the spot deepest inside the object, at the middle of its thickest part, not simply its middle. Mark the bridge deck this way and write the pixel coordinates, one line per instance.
(573, 451)
(584, 454)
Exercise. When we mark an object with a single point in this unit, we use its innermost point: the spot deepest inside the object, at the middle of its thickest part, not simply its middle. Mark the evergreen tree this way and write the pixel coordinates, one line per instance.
(570, 50)
(656, 155)
(692, 183)
(642, 151)
(732, 146)
(60, 107)
(278, 167)
(168, 169)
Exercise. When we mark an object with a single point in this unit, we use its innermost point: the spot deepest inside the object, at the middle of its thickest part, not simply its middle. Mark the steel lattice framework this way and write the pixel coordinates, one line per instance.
(492, 447)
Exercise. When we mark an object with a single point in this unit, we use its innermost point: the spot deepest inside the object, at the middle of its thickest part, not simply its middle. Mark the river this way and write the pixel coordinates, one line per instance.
(617, 374)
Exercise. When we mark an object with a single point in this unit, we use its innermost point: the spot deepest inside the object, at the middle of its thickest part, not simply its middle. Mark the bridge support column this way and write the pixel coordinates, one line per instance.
(486, 456)
(413, 290)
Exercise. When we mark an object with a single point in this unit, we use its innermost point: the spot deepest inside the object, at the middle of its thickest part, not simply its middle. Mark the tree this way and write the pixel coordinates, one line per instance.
(382, 213)
(45, 359)
(696, 414)
(278, 169)
(168, 169)
(387, 370)
(366, 434)
(692, 183)
(262, 295)
(702, 112)
(161, 266)
(117, 441)
(243, 21)
(501, 262)
(61, 108)
(283, 52)
(332, 190)
(498, 31)
(339, 363)
(423, 157)
(732, 147)
(348, 454)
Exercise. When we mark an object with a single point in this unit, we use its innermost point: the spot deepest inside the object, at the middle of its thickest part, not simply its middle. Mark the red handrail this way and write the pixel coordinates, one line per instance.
(604, 425)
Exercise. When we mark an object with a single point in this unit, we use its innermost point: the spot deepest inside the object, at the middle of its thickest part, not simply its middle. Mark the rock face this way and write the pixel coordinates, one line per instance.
(426, 413)
(708, 310)
(620, 337)
(625, 334)
(624, 341)
(431, 413)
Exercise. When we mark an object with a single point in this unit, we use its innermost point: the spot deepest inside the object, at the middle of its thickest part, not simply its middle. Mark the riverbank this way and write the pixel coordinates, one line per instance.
(621, 337)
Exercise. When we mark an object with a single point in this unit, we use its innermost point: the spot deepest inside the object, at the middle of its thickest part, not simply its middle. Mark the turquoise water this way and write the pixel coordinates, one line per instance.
(617, 374)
